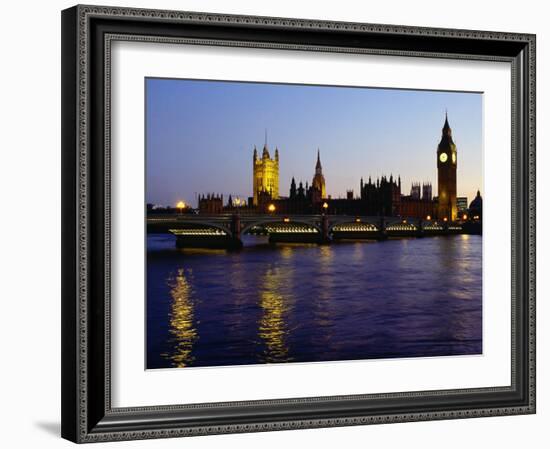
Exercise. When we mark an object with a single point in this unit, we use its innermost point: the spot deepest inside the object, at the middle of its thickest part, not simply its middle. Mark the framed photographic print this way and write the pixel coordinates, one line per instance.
(283, 223)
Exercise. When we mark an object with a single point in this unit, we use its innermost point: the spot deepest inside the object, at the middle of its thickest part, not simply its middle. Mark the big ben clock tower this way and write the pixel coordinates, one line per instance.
(446, 174)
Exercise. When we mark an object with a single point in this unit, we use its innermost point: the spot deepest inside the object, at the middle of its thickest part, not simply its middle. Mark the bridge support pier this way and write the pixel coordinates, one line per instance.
(325, 238)
(420, 227)
(382, 234)
(236, 242)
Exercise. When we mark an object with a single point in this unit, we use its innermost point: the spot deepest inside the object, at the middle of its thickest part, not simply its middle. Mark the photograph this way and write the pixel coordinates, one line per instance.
(292, 223)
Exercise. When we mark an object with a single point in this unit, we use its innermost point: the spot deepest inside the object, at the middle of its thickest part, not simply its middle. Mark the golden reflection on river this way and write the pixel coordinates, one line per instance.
(275, 304)
(181, 319)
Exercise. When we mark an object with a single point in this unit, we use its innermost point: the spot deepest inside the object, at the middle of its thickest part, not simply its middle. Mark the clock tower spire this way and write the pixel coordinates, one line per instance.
(446, 174)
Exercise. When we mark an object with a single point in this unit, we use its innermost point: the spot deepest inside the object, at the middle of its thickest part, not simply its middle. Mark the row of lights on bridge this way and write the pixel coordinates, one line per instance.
(271, 208)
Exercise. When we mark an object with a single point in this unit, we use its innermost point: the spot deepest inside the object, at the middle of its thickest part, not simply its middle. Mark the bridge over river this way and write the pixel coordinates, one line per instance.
(225, 230)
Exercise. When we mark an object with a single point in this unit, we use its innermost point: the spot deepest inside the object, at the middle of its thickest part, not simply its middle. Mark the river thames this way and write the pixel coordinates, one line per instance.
(310, 303)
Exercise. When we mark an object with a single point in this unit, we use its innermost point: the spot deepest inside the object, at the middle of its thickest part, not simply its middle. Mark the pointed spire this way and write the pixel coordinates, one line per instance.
(255, 156)
(265, 152)
(446, 135)
(446, 127)
(318, 167)
(276, 153)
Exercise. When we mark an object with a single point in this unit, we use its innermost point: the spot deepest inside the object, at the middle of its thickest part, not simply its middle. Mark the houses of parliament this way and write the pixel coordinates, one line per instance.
(382, 196)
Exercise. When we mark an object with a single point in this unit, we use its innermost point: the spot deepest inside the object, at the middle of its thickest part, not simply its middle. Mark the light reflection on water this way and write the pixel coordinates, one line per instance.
(181, 316)
(273, 325)
(401, 298)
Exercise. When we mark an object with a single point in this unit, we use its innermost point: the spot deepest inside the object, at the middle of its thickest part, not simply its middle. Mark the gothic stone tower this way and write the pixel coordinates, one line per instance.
(446, 174)
(318, 182)
(265, 174)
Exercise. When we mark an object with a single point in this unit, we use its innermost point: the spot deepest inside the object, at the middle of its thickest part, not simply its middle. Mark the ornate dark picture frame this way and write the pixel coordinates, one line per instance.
(87, 33)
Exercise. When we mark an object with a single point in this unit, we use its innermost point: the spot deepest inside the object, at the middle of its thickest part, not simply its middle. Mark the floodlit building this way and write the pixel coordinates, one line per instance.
(265, 174)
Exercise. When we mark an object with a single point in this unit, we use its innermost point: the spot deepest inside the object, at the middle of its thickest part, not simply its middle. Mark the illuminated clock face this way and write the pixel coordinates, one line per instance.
(454, 158)
(443, 157)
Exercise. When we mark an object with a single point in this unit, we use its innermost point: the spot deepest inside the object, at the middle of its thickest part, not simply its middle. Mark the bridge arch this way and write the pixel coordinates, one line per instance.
(353, 223)
(279, 221)
(195, 225)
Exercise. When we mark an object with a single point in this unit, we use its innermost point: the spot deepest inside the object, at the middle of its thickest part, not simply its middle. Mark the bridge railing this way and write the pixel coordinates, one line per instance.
(234, 223)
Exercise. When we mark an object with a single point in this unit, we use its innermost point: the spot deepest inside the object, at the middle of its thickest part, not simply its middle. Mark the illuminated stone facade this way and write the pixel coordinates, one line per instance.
(266, 175)
(446, 174)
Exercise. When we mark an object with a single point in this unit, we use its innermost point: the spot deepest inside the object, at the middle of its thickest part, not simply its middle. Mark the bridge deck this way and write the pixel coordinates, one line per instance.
(226, 229)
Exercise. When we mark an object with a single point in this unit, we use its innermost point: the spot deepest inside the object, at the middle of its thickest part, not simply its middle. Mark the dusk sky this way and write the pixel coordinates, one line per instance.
(201, 136)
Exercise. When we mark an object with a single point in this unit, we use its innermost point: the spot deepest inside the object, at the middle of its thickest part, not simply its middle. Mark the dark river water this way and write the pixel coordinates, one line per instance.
(307, 303)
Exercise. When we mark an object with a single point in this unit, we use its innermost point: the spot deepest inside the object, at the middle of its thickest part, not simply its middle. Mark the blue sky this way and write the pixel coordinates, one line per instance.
(201, 135)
